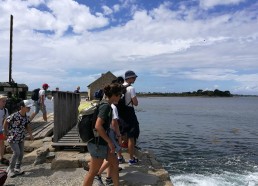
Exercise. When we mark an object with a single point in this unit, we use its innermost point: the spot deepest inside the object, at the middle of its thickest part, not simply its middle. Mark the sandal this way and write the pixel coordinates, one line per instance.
(4, 161)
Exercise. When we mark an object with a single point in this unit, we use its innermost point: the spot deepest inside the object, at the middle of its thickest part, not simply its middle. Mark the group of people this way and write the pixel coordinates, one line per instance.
(108, 145)
(107, 126)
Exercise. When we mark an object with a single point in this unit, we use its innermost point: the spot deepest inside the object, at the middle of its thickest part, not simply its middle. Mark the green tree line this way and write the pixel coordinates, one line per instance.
(215, 93)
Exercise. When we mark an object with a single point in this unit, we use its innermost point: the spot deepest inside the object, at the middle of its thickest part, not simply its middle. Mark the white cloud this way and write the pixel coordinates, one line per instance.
(107, 10)
(116, 8)
(77, 16)
(207, 4)
(163, 42)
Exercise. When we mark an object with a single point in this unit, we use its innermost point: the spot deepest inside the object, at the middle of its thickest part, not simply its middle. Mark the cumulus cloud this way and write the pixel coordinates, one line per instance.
(207, 4)
(162, 42)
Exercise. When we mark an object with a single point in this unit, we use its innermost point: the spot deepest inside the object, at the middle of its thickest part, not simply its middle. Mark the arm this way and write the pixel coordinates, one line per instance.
(135, 101)
(42, 100)
(115, 126)
(103, 134)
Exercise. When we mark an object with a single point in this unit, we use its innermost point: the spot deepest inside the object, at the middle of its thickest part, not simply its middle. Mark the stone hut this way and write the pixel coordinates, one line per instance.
(105, 79)
(19, 90)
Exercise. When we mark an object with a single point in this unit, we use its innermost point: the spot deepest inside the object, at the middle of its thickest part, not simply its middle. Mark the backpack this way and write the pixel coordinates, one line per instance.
(3, 177)
(99, 94)
(86, 123)
(35, 94)
(121, 106)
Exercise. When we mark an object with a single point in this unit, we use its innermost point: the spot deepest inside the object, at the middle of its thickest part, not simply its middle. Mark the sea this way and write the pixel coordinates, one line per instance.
(201, 141)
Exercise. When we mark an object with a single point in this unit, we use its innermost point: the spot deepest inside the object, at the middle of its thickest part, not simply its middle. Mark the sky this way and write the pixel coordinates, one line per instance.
(172, 45)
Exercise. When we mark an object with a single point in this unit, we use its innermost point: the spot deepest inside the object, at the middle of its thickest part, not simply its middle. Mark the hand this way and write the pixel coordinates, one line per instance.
(120, 140)
(111, 147)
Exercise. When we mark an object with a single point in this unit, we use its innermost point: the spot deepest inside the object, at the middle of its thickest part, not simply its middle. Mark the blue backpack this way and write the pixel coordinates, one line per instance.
(99, 94)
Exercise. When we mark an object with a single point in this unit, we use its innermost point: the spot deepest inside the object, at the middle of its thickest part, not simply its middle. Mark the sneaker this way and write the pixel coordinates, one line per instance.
(109, 181)
(11, 174)
(121, 160)
(98, 181)
(133, 161)
(18, 171)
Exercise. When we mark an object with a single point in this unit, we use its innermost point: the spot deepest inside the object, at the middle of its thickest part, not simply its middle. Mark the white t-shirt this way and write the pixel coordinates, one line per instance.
(130, 93)
(42, 93)
(114, 112)
(2, 114)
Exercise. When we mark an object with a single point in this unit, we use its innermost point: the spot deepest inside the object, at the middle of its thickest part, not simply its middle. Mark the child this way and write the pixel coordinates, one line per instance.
(14, 130)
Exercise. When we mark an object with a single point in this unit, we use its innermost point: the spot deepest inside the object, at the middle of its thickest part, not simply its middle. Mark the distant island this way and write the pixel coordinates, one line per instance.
(209, 93)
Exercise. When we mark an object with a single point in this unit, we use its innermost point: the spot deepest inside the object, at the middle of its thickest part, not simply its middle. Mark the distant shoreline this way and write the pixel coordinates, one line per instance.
(162, 95)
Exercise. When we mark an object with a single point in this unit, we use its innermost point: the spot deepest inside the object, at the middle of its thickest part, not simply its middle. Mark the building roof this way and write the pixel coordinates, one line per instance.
(101, 77)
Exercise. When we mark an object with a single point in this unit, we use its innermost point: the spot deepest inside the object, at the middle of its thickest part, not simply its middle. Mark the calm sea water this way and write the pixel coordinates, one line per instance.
(203, 141)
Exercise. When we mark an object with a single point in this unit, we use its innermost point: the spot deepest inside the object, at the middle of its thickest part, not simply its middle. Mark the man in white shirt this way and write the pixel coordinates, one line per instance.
(131, 101)
(40, 104)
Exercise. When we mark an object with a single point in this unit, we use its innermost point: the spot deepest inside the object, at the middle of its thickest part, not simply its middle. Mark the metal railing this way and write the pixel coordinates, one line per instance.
(65, 113)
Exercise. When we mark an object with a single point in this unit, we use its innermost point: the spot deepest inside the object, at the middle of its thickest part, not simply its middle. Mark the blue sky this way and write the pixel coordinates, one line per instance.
(173, 46)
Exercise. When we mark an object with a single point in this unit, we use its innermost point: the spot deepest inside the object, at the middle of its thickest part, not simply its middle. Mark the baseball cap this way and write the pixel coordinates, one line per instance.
(3, 96)
(45, 85)
(27, 103)
(130, 74)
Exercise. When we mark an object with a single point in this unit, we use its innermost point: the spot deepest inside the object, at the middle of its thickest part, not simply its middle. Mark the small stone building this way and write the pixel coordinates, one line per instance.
(105, 79)
(19, 90)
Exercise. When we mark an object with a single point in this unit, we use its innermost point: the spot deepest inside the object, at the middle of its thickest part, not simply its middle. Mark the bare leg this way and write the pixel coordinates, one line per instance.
(94, 168)
(103, 167)
(113, 168)
(45, 117)
(32, 116)
(131, 144)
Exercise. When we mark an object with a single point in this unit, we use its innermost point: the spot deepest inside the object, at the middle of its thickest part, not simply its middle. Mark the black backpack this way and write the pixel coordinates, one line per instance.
(35, 94)
(121, 106)
(86, 123)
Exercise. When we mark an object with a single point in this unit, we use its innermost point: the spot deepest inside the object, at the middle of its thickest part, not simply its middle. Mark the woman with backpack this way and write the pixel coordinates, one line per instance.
(102, 147)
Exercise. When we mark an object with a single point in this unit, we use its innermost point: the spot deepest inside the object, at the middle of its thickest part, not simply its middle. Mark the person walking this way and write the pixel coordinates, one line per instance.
(102, 146)
(14, 129)
(40, 103)
(131, 119)
(77, 90)
(115, 135)
(3, 115)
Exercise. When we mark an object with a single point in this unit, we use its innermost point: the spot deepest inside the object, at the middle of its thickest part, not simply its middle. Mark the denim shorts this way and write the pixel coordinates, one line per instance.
(98, 151)
(37, 108)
